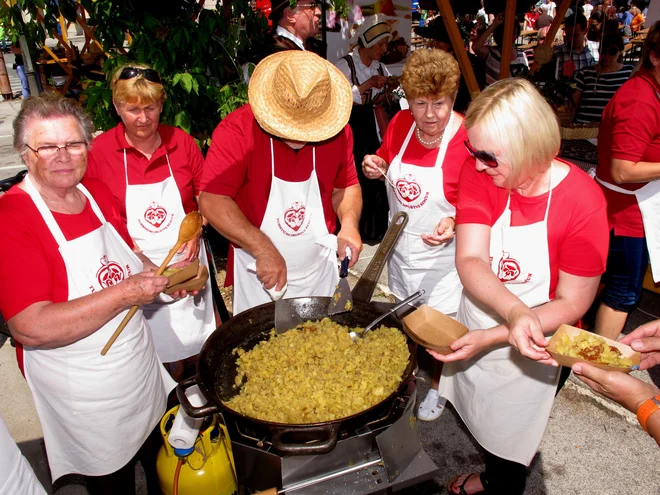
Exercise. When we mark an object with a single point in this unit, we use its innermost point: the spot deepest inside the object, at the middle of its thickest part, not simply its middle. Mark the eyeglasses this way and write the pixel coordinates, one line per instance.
(485, 157)
(148, 74)
(76, 148)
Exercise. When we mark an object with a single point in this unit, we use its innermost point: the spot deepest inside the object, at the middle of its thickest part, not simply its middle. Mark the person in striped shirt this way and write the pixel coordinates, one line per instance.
(596, 85)
(492, 55)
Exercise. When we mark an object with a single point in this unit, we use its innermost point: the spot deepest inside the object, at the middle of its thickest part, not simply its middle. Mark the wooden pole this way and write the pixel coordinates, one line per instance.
(5, 86)
(459, 48)
(507, 39)
(543, 51)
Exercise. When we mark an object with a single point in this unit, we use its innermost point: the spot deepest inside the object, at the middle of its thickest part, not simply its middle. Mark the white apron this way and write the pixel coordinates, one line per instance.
(16, 474)
(414, 264)
(295, 223)
(648, 199)
(154, 213)
(503, 397)
(96, 411)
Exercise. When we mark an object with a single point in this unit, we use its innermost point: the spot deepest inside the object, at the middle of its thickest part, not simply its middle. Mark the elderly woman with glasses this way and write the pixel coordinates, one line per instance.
(67, 279)
(154, 172)
(421, 158)
(531, 244)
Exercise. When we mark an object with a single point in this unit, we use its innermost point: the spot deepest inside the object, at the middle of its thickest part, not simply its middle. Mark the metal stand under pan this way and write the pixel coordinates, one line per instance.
(383, 457)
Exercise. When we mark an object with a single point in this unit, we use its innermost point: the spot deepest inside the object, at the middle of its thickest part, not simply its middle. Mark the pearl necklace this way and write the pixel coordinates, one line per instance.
(428, 143)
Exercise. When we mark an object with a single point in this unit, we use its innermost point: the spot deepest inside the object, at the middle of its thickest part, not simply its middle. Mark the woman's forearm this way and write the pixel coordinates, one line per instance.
(626, 172)
(50, 325)
(480, 281)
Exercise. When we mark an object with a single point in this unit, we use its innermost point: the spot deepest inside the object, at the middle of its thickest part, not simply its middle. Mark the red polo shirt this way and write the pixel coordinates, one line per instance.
(106, 163)
(31, 267)
(629, 130)
(417, 154)
(238, 165)
(578, 239)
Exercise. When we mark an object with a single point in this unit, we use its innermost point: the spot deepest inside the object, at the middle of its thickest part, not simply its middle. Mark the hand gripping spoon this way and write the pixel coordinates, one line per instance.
(190, 227)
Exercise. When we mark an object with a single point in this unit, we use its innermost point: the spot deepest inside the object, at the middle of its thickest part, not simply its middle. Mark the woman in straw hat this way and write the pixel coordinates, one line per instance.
(154, 172)
(279, 174)
(368, 78)
(422, 155)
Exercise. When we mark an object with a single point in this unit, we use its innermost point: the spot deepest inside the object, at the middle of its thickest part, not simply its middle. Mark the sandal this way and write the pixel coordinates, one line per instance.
(461, 488)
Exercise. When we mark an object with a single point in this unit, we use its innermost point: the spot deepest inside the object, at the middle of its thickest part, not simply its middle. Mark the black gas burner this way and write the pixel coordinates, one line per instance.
(375, 451)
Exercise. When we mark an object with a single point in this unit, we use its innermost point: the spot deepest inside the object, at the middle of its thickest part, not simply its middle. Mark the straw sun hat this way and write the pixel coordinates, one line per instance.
(297, 95)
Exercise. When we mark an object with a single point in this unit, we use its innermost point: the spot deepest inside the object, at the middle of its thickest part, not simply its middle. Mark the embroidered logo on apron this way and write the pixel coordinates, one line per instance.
(110, 273)
(509, 270)
(294, 218)
(156, 218)
(409, 191)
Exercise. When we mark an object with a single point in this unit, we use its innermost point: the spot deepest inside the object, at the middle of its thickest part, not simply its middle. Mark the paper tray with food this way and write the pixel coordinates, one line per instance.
(570, 345)
(432, 329)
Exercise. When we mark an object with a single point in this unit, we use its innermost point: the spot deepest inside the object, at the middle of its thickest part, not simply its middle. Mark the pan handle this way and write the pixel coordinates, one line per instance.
(192, 411)
(364, 288)
(323, 446)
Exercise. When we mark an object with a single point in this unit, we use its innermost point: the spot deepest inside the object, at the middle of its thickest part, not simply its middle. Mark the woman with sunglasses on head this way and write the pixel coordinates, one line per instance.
(154, 172)
(68, 277)
(421, 156)
(596, 85)
(531, 244)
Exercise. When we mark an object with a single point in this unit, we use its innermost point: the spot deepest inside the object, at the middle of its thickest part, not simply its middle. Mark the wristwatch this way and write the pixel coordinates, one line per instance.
(647, 408)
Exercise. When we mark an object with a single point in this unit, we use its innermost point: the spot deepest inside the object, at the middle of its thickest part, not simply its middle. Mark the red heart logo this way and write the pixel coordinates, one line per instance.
(295, 216)
(509, 269)
(408, 189)
(155, 215)
(110, 273)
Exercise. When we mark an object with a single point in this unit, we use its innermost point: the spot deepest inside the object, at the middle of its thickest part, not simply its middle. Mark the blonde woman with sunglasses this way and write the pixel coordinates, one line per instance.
(531, 244)
(154, 171)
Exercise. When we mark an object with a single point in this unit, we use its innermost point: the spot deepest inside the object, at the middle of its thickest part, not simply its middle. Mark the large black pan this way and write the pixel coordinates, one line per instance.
(216, 368)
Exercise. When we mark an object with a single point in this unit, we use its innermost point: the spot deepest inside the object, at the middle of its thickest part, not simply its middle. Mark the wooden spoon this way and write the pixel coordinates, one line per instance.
(190, 227)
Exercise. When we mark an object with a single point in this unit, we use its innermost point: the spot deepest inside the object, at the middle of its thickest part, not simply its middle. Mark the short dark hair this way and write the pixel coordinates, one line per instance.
(651, 45)
(598, 16)
(576, 19)
(612, 39)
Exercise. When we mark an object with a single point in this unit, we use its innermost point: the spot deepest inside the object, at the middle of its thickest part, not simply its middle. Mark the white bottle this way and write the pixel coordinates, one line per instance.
(185, 429)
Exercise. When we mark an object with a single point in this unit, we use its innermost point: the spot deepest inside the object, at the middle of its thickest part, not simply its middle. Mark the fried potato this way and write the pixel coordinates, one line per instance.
(317, 373)
(591, 347)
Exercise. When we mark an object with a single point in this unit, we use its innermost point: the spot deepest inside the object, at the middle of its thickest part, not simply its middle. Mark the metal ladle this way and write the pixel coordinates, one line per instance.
(189, 228)
(370, 326)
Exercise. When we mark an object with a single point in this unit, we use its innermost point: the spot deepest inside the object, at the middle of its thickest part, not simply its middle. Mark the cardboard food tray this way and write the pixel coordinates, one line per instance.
(432, 329)
(185, 273)
(195, 283)
(626, 351)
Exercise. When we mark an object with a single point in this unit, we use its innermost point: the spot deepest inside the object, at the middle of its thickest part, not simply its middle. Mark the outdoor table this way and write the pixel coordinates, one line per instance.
(583, 153)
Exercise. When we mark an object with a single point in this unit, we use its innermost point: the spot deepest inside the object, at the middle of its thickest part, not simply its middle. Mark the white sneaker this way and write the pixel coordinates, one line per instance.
(432, 406)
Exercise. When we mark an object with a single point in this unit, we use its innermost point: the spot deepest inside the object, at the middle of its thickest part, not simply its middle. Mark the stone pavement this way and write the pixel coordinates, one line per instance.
(591, 446)
(10, 162)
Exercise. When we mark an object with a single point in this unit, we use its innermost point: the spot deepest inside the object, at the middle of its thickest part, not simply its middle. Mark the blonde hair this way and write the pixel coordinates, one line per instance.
(430, 73)
(137, 89)
(513, 115)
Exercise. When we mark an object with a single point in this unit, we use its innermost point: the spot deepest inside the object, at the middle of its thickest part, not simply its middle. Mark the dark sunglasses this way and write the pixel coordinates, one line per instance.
(485, 157)
(148, 74)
